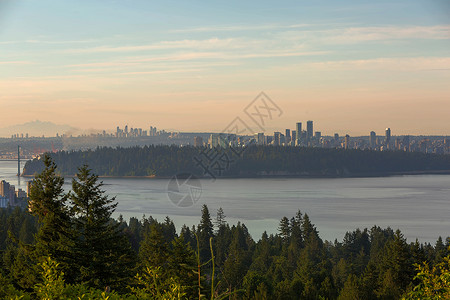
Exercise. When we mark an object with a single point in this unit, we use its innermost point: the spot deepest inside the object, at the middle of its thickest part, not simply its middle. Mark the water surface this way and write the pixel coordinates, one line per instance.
(418, 205)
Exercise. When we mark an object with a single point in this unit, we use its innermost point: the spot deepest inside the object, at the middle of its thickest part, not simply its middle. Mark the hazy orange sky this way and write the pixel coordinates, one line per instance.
(350, 66)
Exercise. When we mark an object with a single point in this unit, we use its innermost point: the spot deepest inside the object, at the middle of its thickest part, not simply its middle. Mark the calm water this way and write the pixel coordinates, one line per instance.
(418, 205)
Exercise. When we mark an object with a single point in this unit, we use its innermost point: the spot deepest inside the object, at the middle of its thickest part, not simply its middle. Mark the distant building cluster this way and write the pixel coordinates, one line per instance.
(137, 132)
(10, 197)
(310, 138)
(20, 136)
(299, 136)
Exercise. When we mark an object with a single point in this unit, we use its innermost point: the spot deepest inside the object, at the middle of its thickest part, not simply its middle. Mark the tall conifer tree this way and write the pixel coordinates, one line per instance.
(48, 202)
(104, 254)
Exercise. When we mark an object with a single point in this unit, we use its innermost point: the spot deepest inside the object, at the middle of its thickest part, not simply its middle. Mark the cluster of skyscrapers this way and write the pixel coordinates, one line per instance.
(9, 196)
(310, 138)
(297, 137)
(136, 132)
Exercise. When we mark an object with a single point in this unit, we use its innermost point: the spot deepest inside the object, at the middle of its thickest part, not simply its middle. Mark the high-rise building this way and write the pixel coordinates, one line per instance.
(12, 195)
(4, 189)
(288, 136)
(298, 129)
(214, 140)
(126, 129)
(260, 140)
(388, 136)
(282, 139)
(373, 139)
(347, 141)
(309, 130)
(198, 141)
(293, 137)
(318, 135)
(277, 138)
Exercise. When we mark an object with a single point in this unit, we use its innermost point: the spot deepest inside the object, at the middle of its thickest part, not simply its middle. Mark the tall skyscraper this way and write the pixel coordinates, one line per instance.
(288, 136)
(298, 129)
(373, 139)
(309, 130)
(388, 136)
(347, 141)
(260, 139)
(277, 138)
(294, 137)
(4, 189)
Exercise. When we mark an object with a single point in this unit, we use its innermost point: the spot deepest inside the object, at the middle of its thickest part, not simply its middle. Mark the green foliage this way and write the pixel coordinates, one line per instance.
(8, 291)
(151, 285)
(350, 290)
(52, 286)
(434, 283)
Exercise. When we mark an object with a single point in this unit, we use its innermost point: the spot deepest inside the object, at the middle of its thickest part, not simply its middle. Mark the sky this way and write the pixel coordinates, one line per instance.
(350, 66)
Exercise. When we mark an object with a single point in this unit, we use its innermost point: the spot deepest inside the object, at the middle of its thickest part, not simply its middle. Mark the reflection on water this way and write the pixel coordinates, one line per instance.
(417, 205)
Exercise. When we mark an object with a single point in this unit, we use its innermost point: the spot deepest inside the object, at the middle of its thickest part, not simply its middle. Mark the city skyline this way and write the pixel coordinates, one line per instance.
(121, 130)
(352, 66)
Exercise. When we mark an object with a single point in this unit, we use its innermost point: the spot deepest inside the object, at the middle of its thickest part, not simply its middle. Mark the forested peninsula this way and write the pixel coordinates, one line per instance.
(254, 161)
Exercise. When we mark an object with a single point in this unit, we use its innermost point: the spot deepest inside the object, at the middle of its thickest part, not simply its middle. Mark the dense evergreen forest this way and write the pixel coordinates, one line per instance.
(253, 161)
(67, 246)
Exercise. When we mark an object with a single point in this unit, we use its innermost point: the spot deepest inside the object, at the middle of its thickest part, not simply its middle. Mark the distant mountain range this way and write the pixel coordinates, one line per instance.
(37, 128)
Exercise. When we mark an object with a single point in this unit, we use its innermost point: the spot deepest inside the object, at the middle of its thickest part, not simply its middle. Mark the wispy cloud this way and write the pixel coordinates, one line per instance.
(18, 62)
(242, 28)
(289, 38)
(365, 34)
(163, 71)
(212, 43)
(358, 34)
(391, 64)
(182, 62)
(49, 41)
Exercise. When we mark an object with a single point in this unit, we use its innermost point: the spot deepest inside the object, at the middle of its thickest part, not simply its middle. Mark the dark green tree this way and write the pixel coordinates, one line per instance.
(154, 250)
(285, 229)
(182, 266)
(104, 255)
(48, 202)
(238, 260)
(220, 219)
(205, 231)
(351, 289)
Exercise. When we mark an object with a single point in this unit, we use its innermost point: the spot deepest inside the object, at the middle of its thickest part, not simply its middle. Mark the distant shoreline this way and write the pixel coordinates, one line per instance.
(305, 176)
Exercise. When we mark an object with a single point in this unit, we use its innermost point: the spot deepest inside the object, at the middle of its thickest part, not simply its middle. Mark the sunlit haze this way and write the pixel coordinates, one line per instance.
(351, 66)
